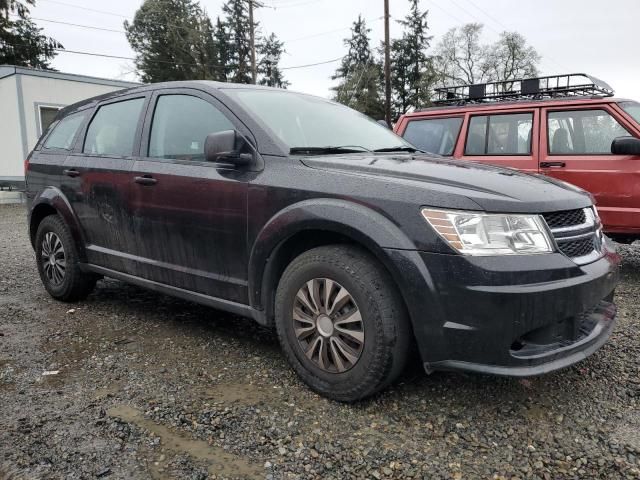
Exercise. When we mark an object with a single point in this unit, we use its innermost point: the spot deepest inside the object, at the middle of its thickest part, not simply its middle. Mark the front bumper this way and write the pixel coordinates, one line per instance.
(514, 315)
(537, 359)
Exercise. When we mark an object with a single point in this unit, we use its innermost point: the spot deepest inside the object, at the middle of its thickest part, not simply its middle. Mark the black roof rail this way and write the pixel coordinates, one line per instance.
(552, 86)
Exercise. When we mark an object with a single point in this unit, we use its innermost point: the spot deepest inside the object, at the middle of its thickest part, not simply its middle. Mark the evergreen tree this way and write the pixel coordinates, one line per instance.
(400, 78)
(173, 40)
(359, 75)
(206, 49)
(222, 58)
(270, 51)
(238, 31)
(412, 73)
(21, 41)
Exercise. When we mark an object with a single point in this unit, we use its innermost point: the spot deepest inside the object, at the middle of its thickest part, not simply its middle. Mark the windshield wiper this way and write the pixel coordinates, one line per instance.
(329, 149)
(398, 149)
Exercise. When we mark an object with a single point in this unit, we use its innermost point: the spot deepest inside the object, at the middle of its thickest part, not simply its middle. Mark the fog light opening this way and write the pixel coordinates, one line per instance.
(517, 345)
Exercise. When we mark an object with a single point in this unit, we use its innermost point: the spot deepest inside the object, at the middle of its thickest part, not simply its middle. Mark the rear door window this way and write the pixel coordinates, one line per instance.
(113, 129)
(582, 132)
(435, 135)
(504, 134)
(180, 126)
(64, 132)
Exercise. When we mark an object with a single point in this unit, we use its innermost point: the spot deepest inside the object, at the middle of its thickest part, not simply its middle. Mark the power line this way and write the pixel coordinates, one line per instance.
(80, 7)
(122, 57)
(498, 22)
(456, 18)
(113, 30)
(486, 14)
(314, 35)
(90, 27)
(432, 2)
(314, 64)
(93, 27)
(299, 4)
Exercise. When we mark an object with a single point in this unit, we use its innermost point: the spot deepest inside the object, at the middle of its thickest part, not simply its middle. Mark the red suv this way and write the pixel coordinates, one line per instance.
(568, 127)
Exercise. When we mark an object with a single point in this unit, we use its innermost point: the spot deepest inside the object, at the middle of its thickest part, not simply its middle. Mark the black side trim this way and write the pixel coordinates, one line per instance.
(218, 303)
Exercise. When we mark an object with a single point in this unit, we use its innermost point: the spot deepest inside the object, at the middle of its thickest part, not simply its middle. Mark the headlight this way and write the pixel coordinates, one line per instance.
(490, 234)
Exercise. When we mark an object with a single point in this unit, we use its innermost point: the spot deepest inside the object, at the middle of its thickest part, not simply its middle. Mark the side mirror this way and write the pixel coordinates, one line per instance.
(384, 124)
(625, 146)
(227, 146)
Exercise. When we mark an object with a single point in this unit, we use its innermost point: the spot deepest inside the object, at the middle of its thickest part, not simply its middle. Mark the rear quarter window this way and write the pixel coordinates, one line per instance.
(112, 130)
(435, 135)
(64, 132)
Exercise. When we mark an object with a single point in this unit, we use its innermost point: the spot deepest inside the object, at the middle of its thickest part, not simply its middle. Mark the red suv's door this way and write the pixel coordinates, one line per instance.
(575, 146)
(502, 137)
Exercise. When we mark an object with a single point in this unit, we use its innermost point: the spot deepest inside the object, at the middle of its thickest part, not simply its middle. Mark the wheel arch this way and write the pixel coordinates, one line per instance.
(51, 201)
(315, 223)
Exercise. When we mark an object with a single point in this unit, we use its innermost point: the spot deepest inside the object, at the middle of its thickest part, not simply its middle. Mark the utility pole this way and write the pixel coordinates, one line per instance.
(387, 66)
(254, 72)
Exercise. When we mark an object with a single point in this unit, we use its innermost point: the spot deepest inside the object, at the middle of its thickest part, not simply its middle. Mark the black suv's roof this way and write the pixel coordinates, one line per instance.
(209, 84)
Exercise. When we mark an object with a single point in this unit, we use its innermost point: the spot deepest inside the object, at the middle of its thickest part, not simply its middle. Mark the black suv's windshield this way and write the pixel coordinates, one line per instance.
(312, 125)
(632, 108)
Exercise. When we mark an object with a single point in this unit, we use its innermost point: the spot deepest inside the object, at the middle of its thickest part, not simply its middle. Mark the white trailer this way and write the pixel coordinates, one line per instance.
(29, 101)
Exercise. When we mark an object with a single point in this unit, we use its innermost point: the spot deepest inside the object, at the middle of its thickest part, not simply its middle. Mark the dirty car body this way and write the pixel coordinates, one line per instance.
(221, 232)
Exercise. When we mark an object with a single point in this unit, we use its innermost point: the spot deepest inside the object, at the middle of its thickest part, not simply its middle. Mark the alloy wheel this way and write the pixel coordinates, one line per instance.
(328, 325)
(54, 262)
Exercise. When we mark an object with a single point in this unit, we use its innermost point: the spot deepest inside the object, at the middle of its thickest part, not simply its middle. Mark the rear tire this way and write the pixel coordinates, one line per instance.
(342, 323)
(58, 262)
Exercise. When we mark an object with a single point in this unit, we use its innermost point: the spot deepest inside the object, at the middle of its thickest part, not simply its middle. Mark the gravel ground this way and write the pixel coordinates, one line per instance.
(153, 387)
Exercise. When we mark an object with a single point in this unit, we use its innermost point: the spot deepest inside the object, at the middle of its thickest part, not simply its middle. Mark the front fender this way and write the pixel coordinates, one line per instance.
(361, 224)
(54, 198)
(364, 226)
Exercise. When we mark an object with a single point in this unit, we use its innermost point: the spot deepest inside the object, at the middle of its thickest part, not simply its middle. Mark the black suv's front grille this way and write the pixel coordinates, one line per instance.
(577, 233)
(565, 218)
(577, 248)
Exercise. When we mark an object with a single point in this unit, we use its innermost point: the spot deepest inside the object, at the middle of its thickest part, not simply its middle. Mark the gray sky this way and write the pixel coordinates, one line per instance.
(571, 35)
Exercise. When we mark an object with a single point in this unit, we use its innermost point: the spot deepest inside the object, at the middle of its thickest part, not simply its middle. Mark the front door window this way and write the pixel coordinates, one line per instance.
(582, 132)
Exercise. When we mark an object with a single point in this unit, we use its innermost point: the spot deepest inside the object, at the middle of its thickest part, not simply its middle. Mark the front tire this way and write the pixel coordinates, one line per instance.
(341, 322)
(58, 262)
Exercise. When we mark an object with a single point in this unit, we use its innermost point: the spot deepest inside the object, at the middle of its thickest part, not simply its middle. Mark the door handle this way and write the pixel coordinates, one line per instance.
(552, 164)
(71, 172)
(146, 180)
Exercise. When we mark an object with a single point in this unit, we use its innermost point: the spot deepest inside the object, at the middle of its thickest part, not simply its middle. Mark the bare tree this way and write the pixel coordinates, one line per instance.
(461, 58)
(511, 57)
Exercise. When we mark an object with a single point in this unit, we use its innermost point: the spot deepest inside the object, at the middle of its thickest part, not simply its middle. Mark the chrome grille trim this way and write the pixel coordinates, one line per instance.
(571, 239)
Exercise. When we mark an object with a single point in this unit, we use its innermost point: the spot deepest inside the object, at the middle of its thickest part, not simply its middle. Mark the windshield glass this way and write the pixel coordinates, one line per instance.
(303, 121)
(632, 108)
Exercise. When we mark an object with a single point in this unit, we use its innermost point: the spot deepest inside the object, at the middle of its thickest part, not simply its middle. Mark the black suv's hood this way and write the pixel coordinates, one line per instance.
(491, 188)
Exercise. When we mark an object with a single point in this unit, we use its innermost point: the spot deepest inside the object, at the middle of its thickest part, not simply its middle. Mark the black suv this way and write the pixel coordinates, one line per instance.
(310, 217)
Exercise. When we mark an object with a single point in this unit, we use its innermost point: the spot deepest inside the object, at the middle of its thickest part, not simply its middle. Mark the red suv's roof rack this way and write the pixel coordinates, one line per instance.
(553, 86)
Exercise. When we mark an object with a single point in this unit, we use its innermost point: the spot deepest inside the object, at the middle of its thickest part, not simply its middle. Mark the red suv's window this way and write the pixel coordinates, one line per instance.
(632, 108)
(435, 135)
(582, 132)
(504, 134)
